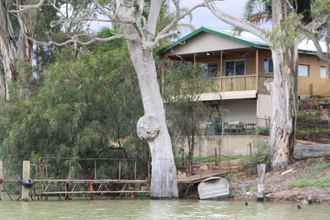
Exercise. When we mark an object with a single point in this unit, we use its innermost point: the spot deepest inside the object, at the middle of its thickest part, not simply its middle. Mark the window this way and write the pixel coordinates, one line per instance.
(209, 70)
(324, 72)
(303, 70)
(268, 66)
(212, 70)
(235, 67)
(214, 126)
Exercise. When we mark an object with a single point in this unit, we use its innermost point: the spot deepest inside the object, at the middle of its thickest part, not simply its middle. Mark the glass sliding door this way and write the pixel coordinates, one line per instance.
(235, 67)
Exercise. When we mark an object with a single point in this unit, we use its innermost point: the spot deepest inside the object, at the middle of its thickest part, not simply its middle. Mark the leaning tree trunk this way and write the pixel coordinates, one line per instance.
(284, 94)
(152, 126)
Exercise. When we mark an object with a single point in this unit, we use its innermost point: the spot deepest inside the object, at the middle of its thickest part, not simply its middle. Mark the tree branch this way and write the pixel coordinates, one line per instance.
(316, 41)
(75, 39)
(236, 22)
(22, 8)
(153, 17)
(168, 30)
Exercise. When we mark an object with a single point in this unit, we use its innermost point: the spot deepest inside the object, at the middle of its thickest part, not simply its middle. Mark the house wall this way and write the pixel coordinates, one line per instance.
(313, 85)
(206, 43)
(264, 110)
(243, 110)
(249, 57)
(226, 145)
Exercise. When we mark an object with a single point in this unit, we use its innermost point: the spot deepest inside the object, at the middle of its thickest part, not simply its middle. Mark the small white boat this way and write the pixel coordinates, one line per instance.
(214, 188)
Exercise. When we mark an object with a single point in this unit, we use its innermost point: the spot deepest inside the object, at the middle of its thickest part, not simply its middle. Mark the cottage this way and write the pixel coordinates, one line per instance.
(241, 67)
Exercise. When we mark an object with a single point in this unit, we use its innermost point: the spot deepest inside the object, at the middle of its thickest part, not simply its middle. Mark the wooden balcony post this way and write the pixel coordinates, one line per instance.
(221, 64)
(195, 61)
(257, 69)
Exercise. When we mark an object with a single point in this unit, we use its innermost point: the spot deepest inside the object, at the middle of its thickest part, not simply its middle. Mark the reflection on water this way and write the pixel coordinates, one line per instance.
(158, 210)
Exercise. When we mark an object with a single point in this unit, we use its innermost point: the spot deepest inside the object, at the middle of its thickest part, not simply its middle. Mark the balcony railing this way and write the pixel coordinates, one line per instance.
(234, 83)
(221, 84)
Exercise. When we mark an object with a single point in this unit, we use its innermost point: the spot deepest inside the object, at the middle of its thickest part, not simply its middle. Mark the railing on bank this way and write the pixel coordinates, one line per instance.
(67, 176)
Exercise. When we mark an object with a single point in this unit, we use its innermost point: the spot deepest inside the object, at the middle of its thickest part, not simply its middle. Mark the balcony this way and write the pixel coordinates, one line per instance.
(233, 83)
(239, 86)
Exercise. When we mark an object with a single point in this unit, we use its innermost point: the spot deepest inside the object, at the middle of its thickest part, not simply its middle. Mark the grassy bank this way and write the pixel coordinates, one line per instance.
(318, 176)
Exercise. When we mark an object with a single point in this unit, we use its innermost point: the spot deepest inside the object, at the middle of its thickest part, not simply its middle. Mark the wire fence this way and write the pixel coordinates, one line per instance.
(89, 168)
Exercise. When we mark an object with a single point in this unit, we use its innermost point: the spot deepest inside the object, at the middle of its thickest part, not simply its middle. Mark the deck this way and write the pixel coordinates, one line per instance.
(224, 87)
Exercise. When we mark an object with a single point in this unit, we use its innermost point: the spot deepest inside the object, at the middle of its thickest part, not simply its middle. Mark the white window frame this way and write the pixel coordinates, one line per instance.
(235, 60)
(326, 73)
(309, 70)
(266, 71)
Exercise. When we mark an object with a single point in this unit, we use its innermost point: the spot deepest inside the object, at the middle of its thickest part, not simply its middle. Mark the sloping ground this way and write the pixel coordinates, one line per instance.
(303, 180)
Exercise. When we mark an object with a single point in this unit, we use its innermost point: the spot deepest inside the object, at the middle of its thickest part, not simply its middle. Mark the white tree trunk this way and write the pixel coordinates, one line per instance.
(7, 51)
(284, 97)
(163, 176)
(284, 107)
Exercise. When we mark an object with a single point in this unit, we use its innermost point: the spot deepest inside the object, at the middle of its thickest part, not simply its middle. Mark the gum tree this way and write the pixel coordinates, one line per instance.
(138, 24)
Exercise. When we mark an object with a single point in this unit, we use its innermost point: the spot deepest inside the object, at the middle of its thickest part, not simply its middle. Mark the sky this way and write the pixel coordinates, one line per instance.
(202, 16)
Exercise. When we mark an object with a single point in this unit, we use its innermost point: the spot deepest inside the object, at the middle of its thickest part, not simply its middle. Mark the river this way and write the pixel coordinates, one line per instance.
(159, 210)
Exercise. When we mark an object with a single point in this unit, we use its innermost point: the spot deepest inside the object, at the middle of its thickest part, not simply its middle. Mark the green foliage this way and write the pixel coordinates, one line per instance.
(311, 182)
(183, 88)
(185, 113)
(83, 108)
(320, 7)
(259, 9)
(323, 166)
(252, 189)
(261, 156)
(213, 159)
(263, 131)
(285, 35)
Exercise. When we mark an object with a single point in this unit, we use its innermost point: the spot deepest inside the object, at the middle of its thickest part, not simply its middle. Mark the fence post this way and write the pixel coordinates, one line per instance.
(26, 175)
(216, 157)
(94, 169)
(1, 179)
(134, 169)
(119, 169)
(261, 169)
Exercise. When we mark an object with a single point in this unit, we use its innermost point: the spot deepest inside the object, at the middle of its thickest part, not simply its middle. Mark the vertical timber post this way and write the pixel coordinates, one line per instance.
(257, 69)
(194, 61)
(95, 169)
(261, 169)
(221, 64)
(134, 169)
(1, 179)
(25, 176)
(119, 169)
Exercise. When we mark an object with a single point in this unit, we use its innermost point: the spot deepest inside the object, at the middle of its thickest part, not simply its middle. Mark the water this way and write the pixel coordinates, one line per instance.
(159, 210)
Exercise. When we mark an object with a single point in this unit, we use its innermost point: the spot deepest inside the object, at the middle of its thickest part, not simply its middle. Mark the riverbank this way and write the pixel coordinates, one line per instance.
(307, 180)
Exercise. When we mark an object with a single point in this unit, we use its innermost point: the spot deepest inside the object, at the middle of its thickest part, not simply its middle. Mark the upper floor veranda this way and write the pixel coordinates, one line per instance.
(240, 67)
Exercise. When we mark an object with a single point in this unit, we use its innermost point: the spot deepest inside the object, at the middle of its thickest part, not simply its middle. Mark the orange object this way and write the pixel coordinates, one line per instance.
(90, 186)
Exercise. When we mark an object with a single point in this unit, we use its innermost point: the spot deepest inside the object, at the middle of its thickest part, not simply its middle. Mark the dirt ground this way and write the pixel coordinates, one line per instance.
(279, 184)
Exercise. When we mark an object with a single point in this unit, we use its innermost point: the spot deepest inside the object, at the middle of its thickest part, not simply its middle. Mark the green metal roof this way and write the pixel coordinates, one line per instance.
(222, 34)
(245, 38)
